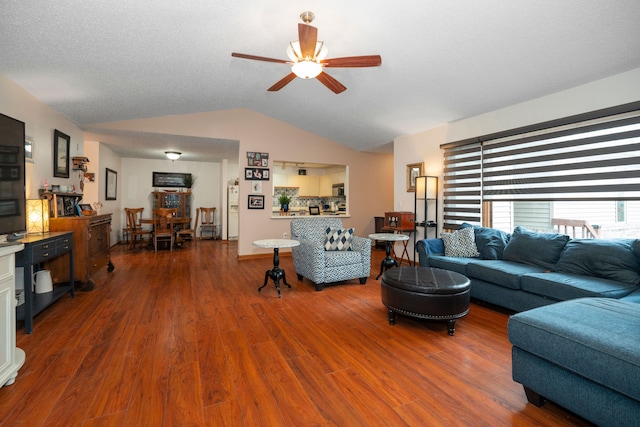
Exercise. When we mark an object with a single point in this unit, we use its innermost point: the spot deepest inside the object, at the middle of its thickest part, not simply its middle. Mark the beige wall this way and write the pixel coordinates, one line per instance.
(370, 175)
(425, 146)
(40, 122)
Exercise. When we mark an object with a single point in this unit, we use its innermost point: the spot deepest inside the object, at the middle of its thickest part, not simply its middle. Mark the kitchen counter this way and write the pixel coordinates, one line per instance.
(276, 215)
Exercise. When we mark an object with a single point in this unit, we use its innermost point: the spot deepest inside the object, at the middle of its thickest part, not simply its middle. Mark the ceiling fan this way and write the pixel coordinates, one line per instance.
(308, 59)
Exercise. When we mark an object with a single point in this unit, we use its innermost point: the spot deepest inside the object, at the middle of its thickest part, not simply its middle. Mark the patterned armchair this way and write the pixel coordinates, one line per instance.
(321, 266)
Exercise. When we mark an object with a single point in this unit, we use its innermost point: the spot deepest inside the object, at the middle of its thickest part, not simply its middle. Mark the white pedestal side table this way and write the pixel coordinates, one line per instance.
(389, 239)
(276, 273)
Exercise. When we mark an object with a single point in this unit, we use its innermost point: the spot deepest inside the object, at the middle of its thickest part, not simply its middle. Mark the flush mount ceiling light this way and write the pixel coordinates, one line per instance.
(173, 155)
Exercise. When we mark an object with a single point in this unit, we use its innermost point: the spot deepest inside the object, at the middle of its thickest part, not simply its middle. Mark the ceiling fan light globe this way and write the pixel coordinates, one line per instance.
(295, 54)
(293, 51)
(306, 69)
(321, 51)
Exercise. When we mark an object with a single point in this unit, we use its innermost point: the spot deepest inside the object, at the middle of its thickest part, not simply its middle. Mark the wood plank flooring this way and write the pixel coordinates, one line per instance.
(185, 339)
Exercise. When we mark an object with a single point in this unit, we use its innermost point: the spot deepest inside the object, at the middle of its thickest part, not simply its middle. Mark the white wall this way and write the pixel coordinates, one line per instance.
(425, 146)
(370, 175)
(40, 122)
(135, 184)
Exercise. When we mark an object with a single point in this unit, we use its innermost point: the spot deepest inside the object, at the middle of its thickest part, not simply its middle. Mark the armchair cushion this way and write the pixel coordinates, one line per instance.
(339, 240)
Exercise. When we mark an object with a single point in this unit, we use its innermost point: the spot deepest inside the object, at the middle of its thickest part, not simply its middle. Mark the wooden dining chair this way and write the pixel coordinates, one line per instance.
(134, 226)
(163, 221)
(189, 232)
(207, 221)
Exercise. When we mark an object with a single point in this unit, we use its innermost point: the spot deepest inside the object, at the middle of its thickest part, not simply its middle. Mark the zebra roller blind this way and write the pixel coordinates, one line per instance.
(589, 157)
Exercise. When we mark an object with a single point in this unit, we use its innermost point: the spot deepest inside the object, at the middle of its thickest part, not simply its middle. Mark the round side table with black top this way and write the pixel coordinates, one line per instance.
(426, 293)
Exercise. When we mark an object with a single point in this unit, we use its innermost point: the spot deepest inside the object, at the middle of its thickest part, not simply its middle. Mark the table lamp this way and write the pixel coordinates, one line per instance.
(37, 216)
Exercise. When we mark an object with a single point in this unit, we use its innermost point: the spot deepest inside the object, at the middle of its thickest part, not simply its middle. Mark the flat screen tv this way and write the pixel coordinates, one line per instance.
(13, 218)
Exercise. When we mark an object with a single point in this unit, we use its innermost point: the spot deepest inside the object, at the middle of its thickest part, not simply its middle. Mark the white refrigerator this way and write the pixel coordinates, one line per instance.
(232, 222)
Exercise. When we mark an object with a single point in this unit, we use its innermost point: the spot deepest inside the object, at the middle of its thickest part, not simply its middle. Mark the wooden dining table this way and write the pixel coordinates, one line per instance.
(181, 221)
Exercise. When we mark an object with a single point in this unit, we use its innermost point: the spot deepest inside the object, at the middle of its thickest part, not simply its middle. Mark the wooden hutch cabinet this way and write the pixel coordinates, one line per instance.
(91, 240)
(174, 199)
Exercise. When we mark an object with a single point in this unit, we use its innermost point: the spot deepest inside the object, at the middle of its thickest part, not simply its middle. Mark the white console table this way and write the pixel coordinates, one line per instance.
(11, 357)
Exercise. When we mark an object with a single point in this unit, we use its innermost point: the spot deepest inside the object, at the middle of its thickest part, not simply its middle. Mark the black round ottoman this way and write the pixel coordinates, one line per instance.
(426, 293)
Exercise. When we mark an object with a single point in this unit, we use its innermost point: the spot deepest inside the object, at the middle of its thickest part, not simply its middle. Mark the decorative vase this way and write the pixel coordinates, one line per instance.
(285, 208)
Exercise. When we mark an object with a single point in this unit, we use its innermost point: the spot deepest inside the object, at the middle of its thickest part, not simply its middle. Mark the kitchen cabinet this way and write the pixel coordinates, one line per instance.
(325, 185)
(308, 186)
(11, 357)
(91, 241)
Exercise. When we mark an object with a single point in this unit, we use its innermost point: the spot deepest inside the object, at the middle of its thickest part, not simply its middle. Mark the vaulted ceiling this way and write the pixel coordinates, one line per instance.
(441, 60)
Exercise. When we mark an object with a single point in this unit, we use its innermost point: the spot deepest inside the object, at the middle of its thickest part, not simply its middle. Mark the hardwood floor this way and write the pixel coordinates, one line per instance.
(185, 339)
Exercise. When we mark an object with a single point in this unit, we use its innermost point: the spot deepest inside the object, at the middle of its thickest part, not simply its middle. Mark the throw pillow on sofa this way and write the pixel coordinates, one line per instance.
(339, 240)
(528, 247)
(489, 241)
(460, 243)
(608, 259)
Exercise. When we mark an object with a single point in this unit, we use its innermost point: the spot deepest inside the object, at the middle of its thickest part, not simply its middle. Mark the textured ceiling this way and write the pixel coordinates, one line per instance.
(441, 60)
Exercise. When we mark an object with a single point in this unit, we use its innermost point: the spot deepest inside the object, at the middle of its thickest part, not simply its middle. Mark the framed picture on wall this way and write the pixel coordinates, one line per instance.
(112, 185)
(414, 170)
(61, 144)
(256, 174)
(28, 149)
(256, 202)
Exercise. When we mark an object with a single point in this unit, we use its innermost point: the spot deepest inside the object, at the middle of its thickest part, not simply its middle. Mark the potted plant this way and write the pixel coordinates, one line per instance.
(284, 202)
(189, 180)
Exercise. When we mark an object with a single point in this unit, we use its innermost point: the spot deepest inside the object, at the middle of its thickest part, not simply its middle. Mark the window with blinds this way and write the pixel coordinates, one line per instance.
(594, 161)
(462, 185)
(593, 157)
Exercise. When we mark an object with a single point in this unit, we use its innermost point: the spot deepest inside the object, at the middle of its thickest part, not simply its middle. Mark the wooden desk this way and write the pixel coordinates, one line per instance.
(39, 248)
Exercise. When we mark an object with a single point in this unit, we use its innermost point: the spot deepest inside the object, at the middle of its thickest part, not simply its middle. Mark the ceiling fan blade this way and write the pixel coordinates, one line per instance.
(258, 58)
(333, 85)
(307, 36)
(282, 82)
(354, 61)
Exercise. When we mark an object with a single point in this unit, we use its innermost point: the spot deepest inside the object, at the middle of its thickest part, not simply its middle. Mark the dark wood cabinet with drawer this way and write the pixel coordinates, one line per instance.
(91, 238)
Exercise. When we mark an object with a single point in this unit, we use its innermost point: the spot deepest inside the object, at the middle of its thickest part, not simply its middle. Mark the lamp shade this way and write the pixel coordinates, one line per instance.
(426, 187)
(37, 216)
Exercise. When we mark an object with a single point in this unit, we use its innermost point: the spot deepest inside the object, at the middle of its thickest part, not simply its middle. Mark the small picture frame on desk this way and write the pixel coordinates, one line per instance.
(86, 209)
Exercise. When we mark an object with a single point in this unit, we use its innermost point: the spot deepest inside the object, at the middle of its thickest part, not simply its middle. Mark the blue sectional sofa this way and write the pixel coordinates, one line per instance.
(525, 270)
(576, 338)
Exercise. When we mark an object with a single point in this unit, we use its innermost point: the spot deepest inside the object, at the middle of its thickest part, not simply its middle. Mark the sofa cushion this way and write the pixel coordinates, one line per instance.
(457, 264)
(566, 286)
(500, 272)
(594, 337)
(460, 243)
(339, 240)
(608, 259)
(489, 241)
(533, 248)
